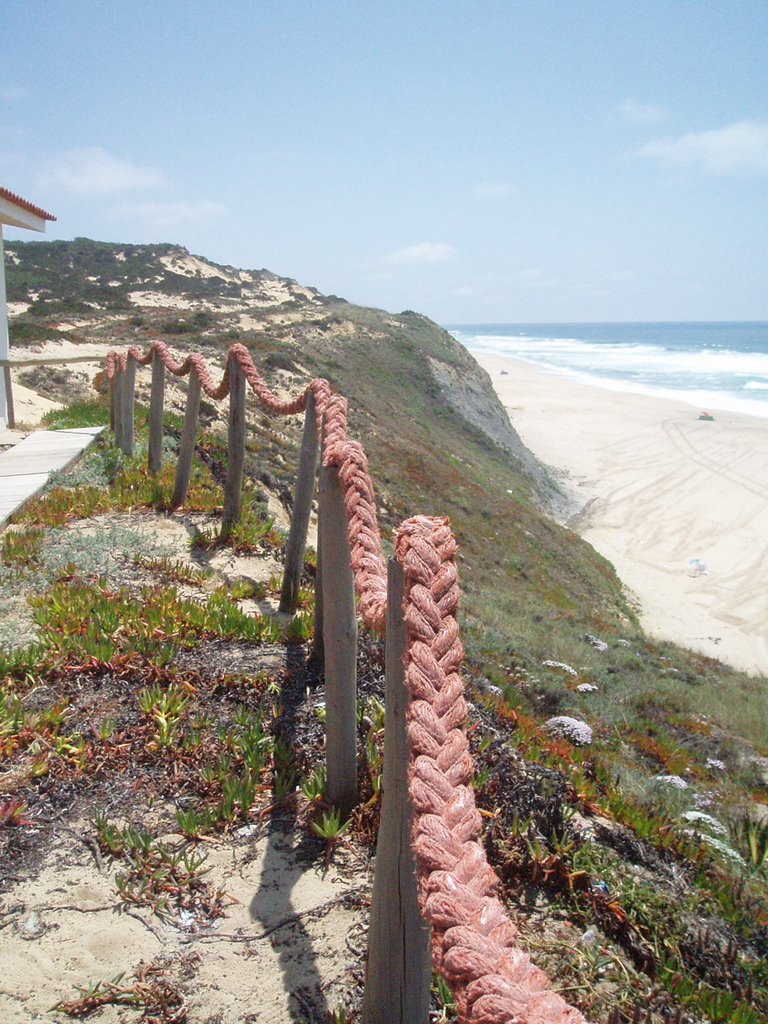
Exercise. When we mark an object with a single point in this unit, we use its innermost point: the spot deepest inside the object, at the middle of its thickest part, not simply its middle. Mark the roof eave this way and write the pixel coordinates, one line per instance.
(20, 213)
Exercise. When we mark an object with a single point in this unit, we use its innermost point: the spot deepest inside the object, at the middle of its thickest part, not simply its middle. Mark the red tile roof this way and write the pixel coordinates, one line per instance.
(24, 204)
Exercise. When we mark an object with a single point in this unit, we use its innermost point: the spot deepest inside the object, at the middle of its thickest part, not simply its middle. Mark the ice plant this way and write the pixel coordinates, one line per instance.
(12, 812)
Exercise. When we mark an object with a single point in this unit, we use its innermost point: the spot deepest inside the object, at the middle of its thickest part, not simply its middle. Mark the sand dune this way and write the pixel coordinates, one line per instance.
(658, 488)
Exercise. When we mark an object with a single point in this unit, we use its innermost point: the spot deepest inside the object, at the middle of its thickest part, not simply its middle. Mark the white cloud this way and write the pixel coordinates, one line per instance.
(170, 214)
(742, 145)
(641, 113)
(424, 252)
(10, 93)
(92, 171)
(491, 190)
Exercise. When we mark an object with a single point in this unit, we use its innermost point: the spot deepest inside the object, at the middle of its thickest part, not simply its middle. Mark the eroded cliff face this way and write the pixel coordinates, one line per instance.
(470, 391)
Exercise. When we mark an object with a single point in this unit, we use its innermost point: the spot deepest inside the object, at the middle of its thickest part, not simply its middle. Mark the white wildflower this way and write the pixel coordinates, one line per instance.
(715, 764)
(718, 846)
(572, 729)
(586, 688)
(706, 823)
(671, 780)
(561, 665)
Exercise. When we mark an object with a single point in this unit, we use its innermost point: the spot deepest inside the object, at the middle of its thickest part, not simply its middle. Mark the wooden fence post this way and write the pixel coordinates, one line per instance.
(302, 506)
(118, 383)
(156, 401)
(233, 487)
(317, 657)
(399, 969)
(340, 643)
(129, 393)
(112, 402)
(10, 416)
(187, 443)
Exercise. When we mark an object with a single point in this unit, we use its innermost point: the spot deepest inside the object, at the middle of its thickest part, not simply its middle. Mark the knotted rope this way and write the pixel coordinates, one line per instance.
(473, 940)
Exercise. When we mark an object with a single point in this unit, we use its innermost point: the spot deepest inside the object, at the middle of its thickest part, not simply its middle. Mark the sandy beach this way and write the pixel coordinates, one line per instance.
(658, 488)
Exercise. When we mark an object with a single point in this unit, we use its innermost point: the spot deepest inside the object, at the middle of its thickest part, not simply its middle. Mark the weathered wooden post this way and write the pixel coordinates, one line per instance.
(340, 644)
(302, 506)
(156, 401)
(118, 384)
(317, 657)
(129, 394)
(399, 969)
(10, 415)
(233, 487)
(187, 443)
(112, 402)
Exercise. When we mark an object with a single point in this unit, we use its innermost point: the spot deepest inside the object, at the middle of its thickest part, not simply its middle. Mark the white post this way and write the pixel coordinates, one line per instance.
(4, 343)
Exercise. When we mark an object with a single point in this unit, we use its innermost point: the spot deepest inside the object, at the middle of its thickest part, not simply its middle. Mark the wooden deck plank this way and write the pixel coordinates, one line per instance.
(14, 491)
(26, 468)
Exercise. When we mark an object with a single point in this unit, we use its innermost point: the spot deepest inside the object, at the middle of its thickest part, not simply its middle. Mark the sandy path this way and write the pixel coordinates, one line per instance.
(286, 932)
(658, 487)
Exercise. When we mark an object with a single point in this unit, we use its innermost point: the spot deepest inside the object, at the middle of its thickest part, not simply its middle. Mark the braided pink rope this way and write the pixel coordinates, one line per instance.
(473, 940)
(117, 362)
(366, 555)
(349, 457)
(338, 450)
(267, 398)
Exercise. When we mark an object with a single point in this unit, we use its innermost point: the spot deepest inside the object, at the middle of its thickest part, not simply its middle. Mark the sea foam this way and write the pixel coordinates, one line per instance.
(722, 366)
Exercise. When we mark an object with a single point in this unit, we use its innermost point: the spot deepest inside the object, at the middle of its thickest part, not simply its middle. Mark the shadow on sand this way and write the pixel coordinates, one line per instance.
(290, 853)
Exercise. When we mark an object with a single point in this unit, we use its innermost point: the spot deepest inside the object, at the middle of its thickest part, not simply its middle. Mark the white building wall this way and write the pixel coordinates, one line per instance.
(3, 335)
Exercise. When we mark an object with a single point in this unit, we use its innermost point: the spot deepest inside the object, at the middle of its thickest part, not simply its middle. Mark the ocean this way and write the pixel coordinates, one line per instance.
(710, 365)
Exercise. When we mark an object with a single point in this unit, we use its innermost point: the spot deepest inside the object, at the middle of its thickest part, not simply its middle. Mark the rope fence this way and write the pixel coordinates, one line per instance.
(433, 886)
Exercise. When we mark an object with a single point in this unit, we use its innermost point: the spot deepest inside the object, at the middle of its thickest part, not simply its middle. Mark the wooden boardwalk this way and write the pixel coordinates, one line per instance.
(25, 468)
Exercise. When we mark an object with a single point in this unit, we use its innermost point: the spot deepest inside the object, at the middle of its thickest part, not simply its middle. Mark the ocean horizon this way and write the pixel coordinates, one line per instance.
(721, 365)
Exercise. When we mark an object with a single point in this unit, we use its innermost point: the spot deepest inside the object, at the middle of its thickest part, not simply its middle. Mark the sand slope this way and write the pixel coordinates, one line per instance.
(283, 943)
(659, 487)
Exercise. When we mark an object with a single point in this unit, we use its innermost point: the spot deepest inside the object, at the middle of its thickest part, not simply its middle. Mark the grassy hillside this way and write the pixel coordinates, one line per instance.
(533, 588)
(606, 834)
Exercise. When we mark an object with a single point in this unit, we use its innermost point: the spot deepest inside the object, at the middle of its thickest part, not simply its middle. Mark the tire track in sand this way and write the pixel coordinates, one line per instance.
(685, 446)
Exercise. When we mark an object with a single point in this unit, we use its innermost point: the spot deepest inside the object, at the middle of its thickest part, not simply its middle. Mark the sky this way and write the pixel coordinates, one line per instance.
(478, 162)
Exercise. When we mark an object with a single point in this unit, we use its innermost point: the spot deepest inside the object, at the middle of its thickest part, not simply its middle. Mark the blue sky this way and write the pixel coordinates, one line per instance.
(475, 161)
